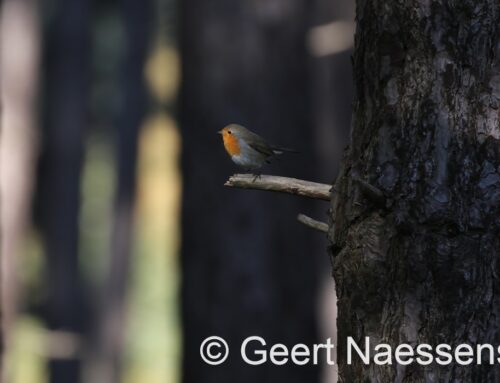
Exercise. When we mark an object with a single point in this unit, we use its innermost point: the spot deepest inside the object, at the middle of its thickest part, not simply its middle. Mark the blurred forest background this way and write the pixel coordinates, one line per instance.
(120, 247)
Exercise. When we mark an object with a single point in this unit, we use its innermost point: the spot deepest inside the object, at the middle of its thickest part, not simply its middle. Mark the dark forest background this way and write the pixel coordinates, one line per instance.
(121, 249)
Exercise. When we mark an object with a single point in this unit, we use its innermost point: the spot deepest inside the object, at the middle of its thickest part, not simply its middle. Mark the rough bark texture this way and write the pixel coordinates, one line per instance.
(424, 268)
(248, 268)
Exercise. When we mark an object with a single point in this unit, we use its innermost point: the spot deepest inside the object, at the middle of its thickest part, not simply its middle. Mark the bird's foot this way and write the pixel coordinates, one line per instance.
(256, 177)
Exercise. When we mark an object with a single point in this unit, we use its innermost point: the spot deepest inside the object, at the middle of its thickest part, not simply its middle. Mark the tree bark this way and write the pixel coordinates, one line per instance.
(422, 268)
(281, 185)
(248, 268)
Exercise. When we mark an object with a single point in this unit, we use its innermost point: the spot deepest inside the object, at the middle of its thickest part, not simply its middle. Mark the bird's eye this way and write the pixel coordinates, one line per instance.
(229, 132)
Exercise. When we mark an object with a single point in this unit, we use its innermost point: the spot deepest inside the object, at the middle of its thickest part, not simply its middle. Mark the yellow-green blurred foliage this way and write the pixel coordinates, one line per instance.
(153, 338)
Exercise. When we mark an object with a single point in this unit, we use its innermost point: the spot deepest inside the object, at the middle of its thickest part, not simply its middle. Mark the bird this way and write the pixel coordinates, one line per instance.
(247, 149)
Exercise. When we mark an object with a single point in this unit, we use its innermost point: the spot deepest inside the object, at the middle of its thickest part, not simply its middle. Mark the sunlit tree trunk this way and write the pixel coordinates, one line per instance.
(19, 62)
(420, 264)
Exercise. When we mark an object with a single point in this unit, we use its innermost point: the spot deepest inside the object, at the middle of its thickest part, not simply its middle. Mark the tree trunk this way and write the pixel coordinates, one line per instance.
(113, 312)
(421, 264)
(247, 267)
(331, 85)
(66, 119)
(19, 56)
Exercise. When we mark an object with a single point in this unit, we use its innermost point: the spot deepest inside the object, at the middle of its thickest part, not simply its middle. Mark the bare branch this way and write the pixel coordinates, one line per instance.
(312, 223)
(281, 184)
(371, 192)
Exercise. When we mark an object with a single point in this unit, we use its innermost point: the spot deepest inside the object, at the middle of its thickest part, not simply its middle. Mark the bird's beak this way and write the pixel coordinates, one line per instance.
(219, 132)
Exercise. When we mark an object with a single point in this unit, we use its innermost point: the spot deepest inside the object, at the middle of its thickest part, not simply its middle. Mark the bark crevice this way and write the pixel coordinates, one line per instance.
(425, 133)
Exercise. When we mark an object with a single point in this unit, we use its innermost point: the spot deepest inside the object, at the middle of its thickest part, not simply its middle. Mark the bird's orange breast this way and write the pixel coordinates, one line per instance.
(231, 144)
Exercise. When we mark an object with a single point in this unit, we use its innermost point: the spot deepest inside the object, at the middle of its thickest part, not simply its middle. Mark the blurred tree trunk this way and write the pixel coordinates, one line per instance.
(330, 42)
(19, 85)
(247, 267)
(66, 84)
(421, 267)
(112, 321)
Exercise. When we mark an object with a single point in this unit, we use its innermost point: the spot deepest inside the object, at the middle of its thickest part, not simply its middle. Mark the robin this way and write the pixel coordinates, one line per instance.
(248, 149)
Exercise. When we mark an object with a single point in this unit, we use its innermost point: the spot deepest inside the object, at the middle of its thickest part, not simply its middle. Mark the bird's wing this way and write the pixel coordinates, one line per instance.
(262, 148)
(257, 143)
(281, 150)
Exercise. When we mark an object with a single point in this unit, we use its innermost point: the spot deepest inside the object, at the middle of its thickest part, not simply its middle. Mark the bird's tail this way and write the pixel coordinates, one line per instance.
(279, 150)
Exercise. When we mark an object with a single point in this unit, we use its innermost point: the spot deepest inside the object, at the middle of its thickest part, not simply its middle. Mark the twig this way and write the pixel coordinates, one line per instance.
(281, 184)
(371, 192)
(312, 223)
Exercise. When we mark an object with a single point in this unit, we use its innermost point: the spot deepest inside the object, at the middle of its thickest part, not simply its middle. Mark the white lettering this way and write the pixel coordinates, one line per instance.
(298, 351)
(468, 351)
(383, 355)
(352, 343)
(422, 353)
(446, 354)
(403, 351)
(480, 348)
(262, 353)
(279, 351)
